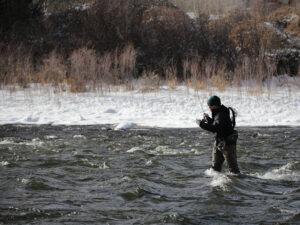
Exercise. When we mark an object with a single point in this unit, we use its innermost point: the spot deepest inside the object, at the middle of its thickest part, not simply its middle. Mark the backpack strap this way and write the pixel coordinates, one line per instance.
(234, 113)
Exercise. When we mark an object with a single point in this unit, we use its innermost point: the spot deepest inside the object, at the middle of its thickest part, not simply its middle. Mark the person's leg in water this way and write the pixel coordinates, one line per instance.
(231, 158)
(217, 160)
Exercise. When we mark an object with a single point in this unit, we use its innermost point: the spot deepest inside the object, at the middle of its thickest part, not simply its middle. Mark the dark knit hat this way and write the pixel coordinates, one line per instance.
(214, 100)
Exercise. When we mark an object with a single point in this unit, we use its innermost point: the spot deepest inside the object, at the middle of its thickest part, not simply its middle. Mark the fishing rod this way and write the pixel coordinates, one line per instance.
(201, 104)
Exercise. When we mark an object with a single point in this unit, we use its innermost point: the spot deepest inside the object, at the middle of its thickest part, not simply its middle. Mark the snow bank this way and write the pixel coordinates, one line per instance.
(165, 108)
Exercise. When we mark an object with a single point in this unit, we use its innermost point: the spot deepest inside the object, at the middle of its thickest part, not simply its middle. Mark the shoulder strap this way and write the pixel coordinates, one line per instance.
(232, 118)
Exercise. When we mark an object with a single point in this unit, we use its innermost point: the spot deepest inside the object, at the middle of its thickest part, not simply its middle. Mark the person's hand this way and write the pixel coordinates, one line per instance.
(205, 116)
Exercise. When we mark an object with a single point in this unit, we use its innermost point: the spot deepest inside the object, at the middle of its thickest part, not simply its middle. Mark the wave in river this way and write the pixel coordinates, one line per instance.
(288, 172)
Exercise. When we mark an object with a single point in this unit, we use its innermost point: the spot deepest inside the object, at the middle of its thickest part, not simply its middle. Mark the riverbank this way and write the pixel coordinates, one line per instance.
(164, 107)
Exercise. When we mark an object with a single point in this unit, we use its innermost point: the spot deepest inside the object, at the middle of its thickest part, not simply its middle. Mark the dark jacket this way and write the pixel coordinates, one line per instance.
(220, 123)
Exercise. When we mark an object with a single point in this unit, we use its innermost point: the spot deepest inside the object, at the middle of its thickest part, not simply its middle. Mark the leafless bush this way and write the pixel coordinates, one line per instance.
(124, 64)
(194, 74)
(251, 38)
(16, 66)
(150, 82)
(53, 70)
(82, 69)
(171, 76)
(89, 70)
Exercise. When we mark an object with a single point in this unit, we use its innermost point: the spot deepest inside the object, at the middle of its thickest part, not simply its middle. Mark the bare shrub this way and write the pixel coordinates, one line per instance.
(294, 28)
(252, 39)
(150, 82)
(283, 16)
(16, 66)
(53, 70)
(171, 77)
(89, 70)
(287, 19)
(255, 74)
(222, 46)
(221, 79)
(124, 65)
(194, 75)
(82, 69)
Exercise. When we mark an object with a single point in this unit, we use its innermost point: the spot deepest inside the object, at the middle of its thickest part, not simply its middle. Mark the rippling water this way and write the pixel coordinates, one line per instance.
(94, 175)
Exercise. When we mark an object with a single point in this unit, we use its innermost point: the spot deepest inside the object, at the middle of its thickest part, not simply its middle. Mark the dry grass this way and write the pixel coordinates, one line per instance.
(85, 70)
(220, 83)
(255, 75)
(89, 71)
(16, 67)
(197, 85)
(82, 69)
(200, 76)
(150, 82)
(195, 74)
(171, 77)
(52, 71)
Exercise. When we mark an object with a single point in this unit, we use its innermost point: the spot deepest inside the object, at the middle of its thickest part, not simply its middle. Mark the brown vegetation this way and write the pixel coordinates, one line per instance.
(115, 42)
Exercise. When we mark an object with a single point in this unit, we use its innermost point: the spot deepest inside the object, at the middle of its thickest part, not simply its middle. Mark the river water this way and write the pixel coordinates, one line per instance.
(95, 175)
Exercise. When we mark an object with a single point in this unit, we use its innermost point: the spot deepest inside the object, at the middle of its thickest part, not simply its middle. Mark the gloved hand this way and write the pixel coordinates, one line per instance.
(198, 121)
(205, 116)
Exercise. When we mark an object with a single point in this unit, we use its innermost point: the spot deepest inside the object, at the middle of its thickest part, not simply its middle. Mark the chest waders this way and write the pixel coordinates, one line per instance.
(225, 149)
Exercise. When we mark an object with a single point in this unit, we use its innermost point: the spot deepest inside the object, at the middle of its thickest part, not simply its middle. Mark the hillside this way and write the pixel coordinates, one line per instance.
(90, 43)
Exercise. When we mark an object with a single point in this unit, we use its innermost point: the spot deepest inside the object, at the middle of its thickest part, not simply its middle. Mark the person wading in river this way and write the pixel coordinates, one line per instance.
(225, 136)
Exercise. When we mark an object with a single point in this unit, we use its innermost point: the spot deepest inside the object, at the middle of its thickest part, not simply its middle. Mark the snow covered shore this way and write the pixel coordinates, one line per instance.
(165, 108)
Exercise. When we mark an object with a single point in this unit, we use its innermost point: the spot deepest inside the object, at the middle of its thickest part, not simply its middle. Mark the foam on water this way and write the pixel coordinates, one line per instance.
(134, 149)
(6, 142)
(33, 142)
(218, 179)
(95, 165)
(50, 137)
(79, 136)
(149, 163)
(104, 166)
(287, 172)
(4, 163)
(166, 150)
(288, 211)
(25, 181)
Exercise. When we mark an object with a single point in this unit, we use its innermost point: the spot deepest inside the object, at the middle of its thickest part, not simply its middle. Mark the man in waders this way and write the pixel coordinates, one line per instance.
(225, 136)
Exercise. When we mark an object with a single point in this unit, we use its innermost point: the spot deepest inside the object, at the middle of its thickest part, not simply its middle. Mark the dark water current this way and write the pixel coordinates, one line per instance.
(94, 175)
